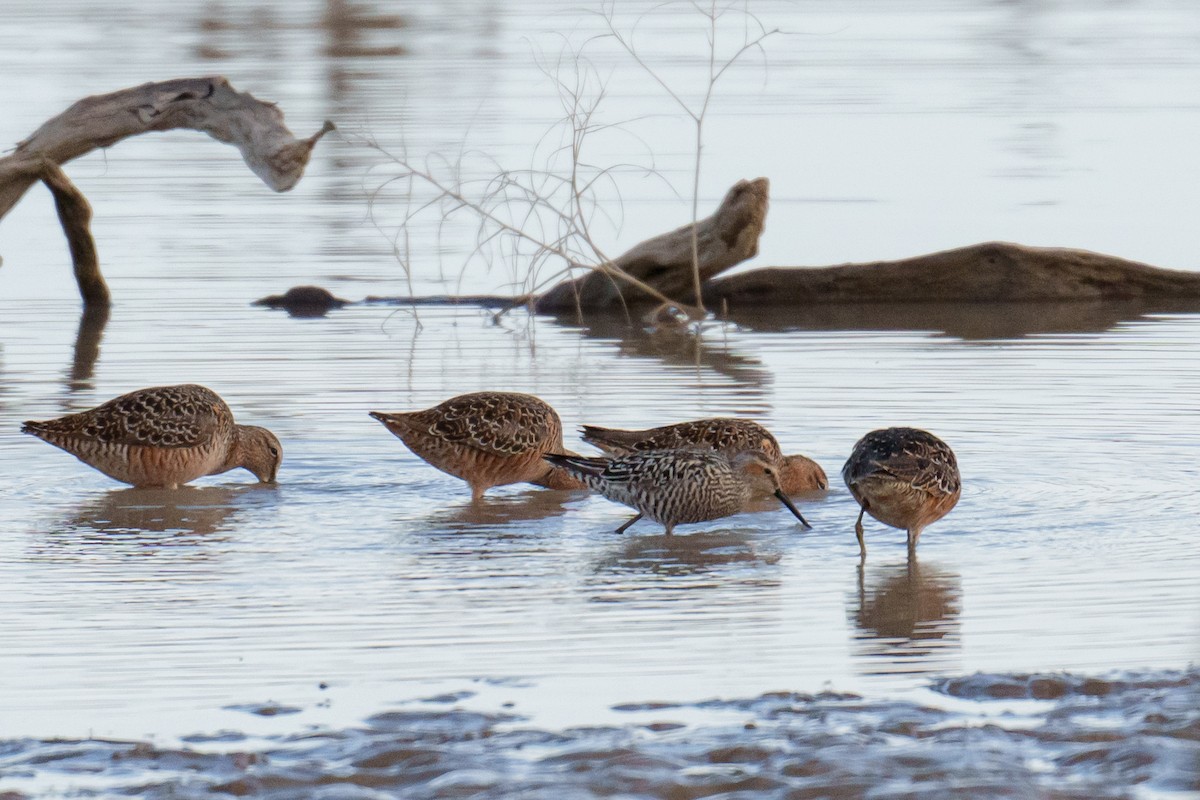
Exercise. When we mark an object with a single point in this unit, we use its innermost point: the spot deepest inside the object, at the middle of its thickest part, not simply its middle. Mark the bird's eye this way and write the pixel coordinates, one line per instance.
(766, 470)
(274, 453)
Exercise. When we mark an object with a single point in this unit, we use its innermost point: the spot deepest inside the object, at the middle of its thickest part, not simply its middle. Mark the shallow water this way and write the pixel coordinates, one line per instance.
(366, 582)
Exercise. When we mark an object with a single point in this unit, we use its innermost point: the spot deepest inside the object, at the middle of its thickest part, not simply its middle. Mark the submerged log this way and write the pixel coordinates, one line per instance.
(664, 262)
(988, 272)
(209, 105)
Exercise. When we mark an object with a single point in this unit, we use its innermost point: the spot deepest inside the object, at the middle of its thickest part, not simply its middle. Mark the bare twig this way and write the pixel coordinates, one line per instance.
(713, 12)
(547, 220)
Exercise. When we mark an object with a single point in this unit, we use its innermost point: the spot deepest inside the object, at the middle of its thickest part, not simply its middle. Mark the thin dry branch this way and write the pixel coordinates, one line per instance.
(209, 105)
(697, 114)
(492, 225)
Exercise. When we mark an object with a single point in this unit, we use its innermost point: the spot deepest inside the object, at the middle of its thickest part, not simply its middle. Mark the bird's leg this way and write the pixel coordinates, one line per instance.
(625, 527)
(858, 530)
(477, 492)
(913, 535)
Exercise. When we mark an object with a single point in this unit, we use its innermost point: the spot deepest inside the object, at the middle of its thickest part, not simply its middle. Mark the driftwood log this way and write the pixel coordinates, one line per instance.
(209, 105)
(726, 238)
(995, 272)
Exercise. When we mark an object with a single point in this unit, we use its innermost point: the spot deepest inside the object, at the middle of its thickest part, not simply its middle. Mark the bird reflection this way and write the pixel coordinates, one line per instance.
(906, 616)
(672, 345)
(503, 510)
(967, 321)
(87, 348)
(188, 511)
(348, 23)
(693, 554)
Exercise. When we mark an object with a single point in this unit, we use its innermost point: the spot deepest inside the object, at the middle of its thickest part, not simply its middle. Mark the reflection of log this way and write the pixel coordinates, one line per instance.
(664, 262)
(676, 347)
(993, 272)
(209, 105)
(969, 321)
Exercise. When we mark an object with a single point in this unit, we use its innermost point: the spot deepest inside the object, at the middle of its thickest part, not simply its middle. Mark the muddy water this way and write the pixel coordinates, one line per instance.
(362, 618)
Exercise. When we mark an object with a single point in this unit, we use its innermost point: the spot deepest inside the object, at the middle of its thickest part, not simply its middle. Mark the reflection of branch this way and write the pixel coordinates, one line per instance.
(87, 347)
(209, 105)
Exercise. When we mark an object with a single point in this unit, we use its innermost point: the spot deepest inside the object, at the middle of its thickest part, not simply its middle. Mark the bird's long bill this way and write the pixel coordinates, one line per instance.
(787, 501)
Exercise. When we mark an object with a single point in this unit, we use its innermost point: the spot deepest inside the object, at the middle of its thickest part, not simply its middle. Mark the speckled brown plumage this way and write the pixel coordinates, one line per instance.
(486, 438)
(728, 435)
(163, 436)
(679, 486)
(903, 477)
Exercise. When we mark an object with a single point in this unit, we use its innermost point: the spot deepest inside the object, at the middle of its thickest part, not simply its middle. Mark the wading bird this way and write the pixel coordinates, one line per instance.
(903, 477)
(728, 435)
(486, 439)
(163, 436)
(673, 487)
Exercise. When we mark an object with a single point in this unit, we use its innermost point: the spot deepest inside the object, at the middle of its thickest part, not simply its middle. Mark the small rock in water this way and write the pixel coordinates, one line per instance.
(304, 301)
(268, 709)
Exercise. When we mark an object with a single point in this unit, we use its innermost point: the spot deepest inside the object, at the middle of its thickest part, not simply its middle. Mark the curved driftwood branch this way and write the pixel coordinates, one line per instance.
(989, 272)
(75, 215)
(209, 105)
(664, 262)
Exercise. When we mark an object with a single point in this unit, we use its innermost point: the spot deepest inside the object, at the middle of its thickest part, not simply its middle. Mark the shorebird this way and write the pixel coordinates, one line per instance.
(163, 436)
(903, 477)
(487, 439)
(679, 486)
(731, 436)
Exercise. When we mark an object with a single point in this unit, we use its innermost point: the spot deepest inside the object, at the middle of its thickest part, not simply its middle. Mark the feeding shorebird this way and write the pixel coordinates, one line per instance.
(903, 477)
(797, 473)
(680, 486)
(487, 439)
(163, 437)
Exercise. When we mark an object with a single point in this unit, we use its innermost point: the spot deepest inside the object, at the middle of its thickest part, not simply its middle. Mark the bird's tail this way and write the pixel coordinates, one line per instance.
(611, 440)
(31, 427)
(559, 478)
(393, 422)
(582, 467)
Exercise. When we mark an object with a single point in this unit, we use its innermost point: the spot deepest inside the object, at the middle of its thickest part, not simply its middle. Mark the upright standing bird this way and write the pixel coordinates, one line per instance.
(903, 477)
(728, 435)
(487, 439)
(163, 436)
(680, 486)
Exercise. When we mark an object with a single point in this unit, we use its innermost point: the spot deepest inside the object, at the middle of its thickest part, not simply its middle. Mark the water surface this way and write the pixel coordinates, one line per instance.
(366, 584)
